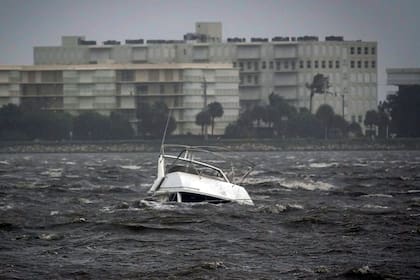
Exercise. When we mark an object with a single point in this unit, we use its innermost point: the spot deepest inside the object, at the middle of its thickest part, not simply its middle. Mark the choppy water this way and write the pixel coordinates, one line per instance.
(318, 215)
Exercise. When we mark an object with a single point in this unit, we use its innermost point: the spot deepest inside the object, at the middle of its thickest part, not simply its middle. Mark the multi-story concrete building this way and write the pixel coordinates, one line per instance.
(283, 66)
(121, 87)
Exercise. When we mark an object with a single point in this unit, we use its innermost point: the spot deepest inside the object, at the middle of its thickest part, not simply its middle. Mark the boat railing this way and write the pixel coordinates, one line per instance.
(186, 153)
(192, 161)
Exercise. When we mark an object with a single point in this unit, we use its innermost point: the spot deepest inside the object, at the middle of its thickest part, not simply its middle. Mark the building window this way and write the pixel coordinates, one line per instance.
(153, 75)
(234, 64)
(316, 64)
(241, 79)
(286, 64)
(271, 64)
(141, 89)
(330, 64)
(278, 66)
(162, 88)
(373, 50)
(366, 50)
(301, 64)
(241, 66)
(352, 50)
(359, 64)
(373, 64)
(323, 64)
(263, 65)
(366, 64)
(176, 88)
(359, 50)
(308, 64)
(256, 65)
(352, 64)
(249, 65)
(127, 75)
(256, 80)
(169, 75)
(293, 65)
(337, 64)
(249, 79)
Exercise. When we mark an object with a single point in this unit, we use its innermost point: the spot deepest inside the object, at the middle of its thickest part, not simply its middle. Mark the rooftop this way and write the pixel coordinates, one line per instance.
(148, 66)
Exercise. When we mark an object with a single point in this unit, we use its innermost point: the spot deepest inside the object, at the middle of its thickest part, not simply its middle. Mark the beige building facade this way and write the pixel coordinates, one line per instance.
(122, 87)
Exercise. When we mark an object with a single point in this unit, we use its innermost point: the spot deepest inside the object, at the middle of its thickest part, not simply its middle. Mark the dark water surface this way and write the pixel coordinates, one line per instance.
(318, 215)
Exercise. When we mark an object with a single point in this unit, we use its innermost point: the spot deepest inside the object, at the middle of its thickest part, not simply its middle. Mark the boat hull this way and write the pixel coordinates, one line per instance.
(193, 187)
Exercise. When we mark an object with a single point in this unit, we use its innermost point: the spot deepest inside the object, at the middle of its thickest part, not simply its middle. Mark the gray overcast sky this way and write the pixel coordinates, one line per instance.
(394, 24)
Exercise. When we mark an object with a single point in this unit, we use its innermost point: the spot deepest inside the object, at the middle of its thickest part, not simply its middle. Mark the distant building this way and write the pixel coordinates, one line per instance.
(403, 76)
(122, 87)
(283, 65)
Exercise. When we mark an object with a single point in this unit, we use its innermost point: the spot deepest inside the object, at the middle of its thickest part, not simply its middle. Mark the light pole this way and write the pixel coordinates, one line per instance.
(205, 105)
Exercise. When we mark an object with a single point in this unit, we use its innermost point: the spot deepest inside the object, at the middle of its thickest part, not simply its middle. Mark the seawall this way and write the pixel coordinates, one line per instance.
(230, 144)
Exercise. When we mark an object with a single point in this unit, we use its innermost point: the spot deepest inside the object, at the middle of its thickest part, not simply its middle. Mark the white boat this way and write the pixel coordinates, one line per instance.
(182, 177)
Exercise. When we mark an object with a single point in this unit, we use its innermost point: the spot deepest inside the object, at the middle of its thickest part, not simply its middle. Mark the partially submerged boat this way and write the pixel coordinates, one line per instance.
(184, 177)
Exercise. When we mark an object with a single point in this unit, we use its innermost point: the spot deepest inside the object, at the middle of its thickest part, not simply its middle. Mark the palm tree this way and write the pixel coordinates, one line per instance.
(320, 85)
(326, 115)
(203, 119)
(371, 121)
(258, 114)
(215, 110)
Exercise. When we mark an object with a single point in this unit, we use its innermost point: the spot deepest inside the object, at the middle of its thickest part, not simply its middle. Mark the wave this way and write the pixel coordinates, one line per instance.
(372, 206)
(365, 272)
(323, 165)
(53, 172)
(131, 167)
(279, 208)
(274, 183)
(413, 191)
(381, 195)
(306, 185)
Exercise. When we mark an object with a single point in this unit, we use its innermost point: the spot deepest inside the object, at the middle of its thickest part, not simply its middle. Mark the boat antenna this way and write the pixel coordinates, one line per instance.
(164, 132)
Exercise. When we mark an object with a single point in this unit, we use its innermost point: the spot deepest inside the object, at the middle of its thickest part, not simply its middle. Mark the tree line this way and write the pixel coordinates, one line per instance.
(19, 124)
(398, 115)
(280, 119)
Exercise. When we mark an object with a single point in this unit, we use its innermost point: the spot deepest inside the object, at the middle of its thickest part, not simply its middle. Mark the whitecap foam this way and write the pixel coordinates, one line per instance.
(307, 185)
(322, 164)
(413, 191)
(85, 200)
(278, 208)
(4, 162)
(164, 206)
(53, 172)
(378, 195)
(360, 164)
(131, 167)
(295, 206)
(372, 206)
(6, 207)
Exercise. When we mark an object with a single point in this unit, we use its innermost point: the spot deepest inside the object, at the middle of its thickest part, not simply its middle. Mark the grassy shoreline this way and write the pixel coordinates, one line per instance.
(122, 146)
